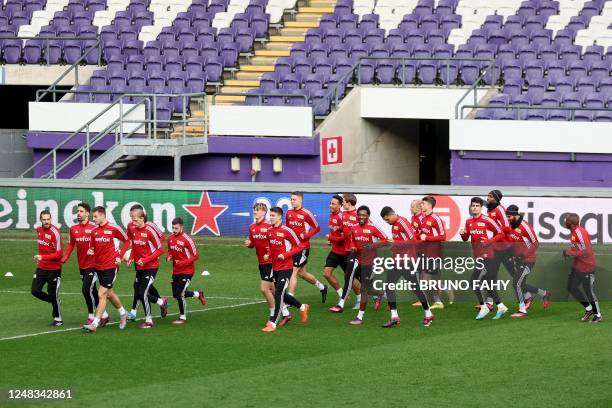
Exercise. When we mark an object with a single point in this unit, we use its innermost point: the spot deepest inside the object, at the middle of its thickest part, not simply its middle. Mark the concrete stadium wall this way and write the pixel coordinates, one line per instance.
(374, 151)
(15, 156)
(44, 75)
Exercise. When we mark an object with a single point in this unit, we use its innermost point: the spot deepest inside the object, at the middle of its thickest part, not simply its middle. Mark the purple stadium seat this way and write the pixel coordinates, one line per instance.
(32, 51)
(485, 114)
(559, 115)
(470, 71)
(12, 51)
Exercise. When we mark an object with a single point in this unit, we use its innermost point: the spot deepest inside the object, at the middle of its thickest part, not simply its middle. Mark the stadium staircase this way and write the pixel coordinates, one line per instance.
(296, 23)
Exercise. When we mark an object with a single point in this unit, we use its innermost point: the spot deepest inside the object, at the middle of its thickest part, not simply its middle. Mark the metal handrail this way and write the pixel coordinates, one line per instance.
(85, 128)
(334, 93)
(260, 95)
(85, 150)
(75, 67)
(524, 108)
(474, 88)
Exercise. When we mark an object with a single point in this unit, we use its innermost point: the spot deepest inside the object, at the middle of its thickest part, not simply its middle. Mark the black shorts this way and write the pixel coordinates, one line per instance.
(265, 272)
(335, 260)
(107, 277)
(301, 258)
(282, 274)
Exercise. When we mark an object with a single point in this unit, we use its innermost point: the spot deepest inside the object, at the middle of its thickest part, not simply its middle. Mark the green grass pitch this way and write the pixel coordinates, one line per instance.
(222, 359)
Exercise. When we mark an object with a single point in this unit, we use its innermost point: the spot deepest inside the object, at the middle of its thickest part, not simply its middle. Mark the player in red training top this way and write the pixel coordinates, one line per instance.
(80, 236)
(416, 208)
(48, 265)
(483, 232)
(147, 247)
(258, 239)
(104, 244)
(583, 269)
(432, 233)
(305, 225)
(283, 243)
(362, 251)
(523, 244)
(405, 243)
(183, 253)
(335, 238)
(130, 231)
(349, 221)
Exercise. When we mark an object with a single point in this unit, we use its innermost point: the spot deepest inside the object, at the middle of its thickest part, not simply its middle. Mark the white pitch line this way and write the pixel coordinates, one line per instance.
(114, 323)
(24, 292)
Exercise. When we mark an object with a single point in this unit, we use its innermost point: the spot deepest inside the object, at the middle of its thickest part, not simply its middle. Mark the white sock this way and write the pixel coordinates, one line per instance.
(134, 311)
(358, 299)
(489, 301)
(303, 307)
(149, 319)
(541, 292)
(183, 317)
(95, 322)
(104, 315)
(339, 292)
(285, 311)
(588, 308)
(501, 306)
(394, 314)
(121, 311)
(271, 311)
(522, 307)
(428, 313)
(160, 301)
(58, 319)
(196, 294)
(360, 314)
(272, 323)
(91, 316)
(319, 285)
(598, 315)
(341, 302)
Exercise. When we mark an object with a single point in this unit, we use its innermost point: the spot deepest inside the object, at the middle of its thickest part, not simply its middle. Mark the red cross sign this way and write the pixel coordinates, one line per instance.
(331, 150)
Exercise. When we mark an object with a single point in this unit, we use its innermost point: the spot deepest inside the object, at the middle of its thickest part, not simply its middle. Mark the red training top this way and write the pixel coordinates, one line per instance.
(147, 246)
(184, 254)
(50, 248)
(582, 251)
(258, 235)
(477, 228)
(282, 240)
(80, 236)
(336, 236)
(104, 245)
(297, 221)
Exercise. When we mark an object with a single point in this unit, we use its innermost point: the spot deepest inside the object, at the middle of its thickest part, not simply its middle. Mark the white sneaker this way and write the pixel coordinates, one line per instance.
(123, 321)
(484, 310)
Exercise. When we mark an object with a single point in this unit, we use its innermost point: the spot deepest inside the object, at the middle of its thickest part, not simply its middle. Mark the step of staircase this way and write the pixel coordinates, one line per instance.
(263, 60)
(244, 83)
(235, 89)
(301, 24)
(286, 38)
(272, 53)
(248, 76)
(257, 68)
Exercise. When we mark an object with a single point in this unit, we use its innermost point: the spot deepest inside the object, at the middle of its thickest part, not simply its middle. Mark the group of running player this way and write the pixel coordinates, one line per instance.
(99, 260)
(501, 237)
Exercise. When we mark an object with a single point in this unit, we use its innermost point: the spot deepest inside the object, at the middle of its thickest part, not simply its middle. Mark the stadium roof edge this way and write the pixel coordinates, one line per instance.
(310, 188)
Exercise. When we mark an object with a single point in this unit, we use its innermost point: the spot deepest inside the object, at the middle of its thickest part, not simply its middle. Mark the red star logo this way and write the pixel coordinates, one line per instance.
(205, 214)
